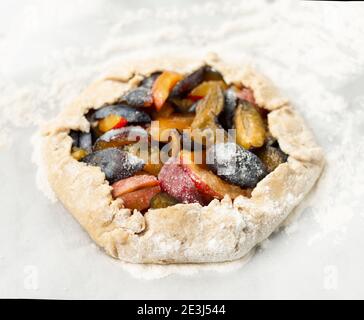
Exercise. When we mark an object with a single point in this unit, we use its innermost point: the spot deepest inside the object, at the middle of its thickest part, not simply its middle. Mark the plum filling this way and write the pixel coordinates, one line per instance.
(180, 138)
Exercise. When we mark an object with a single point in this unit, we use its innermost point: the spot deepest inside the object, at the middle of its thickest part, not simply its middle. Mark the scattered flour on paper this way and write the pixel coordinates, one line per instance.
(41, 177)
(153, 271)
(312, 53)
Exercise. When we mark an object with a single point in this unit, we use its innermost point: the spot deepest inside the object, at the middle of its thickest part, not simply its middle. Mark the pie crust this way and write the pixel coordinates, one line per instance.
(185, 233)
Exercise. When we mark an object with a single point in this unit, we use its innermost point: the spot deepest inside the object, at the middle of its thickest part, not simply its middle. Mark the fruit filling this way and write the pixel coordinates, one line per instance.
(180, 138)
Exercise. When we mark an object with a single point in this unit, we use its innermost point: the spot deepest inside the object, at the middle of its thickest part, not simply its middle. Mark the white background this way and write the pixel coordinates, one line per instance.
(49, 50)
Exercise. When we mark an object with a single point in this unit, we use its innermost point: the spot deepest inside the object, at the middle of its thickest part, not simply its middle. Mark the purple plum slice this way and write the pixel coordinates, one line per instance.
(235, 165)
(115, 163)
(75, 135)
(191, 81)
(188, 83)
(212, 74)
(226, 118)
(117, 138)
(139, 97)
(132, 115)
(149, 81)
(85, 141)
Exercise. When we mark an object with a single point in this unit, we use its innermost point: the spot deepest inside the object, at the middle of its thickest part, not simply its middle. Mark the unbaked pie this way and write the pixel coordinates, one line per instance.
(180, 161)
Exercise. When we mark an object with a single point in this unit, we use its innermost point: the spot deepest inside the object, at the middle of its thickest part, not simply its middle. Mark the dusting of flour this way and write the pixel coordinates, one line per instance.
(310, 50)
(153, 271)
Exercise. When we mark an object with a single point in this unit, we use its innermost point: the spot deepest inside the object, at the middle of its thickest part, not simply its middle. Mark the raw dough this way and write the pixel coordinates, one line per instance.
(185, 233)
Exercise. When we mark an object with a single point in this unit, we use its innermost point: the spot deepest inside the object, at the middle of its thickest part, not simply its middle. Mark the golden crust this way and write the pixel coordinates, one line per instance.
(185, 233)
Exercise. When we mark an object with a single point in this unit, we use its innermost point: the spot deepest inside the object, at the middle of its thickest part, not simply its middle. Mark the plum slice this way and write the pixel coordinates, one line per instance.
(212, 74)
(139, 97)
(166, 111)
(183, 104)
(191, 81)
(208, 184)
(153, 168)
(120, 137)
(112, 121)
(133, 183)
(250, 127)
(209, 108)
(207, 111)
(176, 182)
(75, 135)
(162, 200)
(188, 83)
(151, 156)
(142, 96)
(115, 163)
(203, 89)
(132, 115)
(140, 199)
(226, 118)
(178, 122)
(163, 86)
(148, 82)
(271, 157)
(85, 141)
(78, 154)
(81, 144)
(235, 165)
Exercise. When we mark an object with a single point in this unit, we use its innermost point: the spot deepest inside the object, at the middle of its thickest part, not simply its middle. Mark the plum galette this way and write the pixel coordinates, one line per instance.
(180, 161)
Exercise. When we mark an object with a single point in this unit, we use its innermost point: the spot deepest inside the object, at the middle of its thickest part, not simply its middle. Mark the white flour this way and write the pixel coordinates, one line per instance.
(312, 51)
(152, 271)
